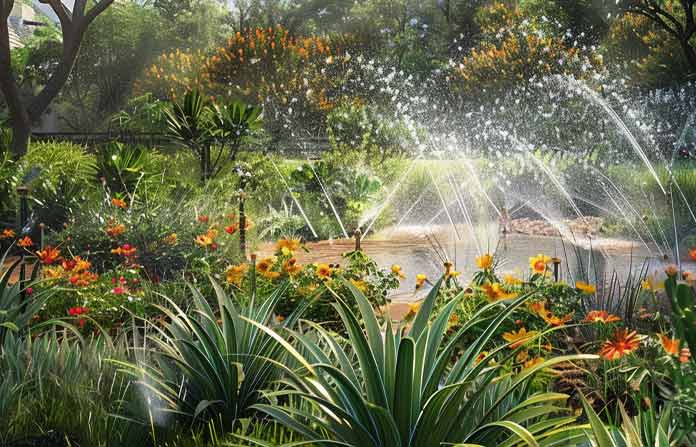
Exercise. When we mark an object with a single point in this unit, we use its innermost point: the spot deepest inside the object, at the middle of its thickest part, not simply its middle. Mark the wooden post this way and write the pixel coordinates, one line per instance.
(358, 237)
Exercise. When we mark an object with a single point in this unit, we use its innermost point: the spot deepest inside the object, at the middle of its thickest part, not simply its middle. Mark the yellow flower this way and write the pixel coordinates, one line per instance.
(324, 271)
(539, 262)
(396, 270)
(413, 309)
(651, 285)
(235, 274)
(171, 239)
(287, 246)
(359, 284)
(511, 280)
(585, 288)
(485, 262)
(518, 338)
(420, 280)
(449, 273)
(495, 292)
(203, 240)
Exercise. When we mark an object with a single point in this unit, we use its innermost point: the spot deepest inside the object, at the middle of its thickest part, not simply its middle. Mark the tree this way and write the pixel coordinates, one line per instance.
(677, 17)
(26, 110)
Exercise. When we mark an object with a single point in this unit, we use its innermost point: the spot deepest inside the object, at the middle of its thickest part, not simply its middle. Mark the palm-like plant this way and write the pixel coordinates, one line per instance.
(212, 365)
(402, 388)
(198, 125)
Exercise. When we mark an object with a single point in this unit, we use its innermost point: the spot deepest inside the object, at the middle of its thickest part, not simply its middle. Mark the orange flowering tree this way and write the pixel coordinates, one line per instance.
(515, 50)
(173, 73)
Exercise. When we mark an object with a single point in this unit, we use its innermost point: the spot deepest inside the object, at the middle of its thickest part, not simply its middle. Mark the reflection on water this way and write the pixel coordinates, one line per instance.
(593, 261)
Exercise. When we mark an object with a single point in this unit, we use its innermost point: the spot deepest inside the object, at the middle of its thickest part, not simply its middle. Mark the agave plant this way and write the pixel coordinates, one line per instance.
(394, 387)
(647, 429)
(17, 307)
(211, 366)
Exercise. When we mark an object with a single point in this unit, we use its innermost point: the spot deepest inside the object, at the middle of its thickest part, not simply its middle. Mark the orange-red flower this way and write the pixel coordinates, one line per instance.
(235, 274)
(600, 316)
(124, 250)
(585, 288)
(119, 203)
(485, 261)
(692, 253)
(25, 242)
(7, 233)
(203, 218)
(623, 343)
(670, 345)
(287, 246)
(115, 231)
(684, 355)
(291, 266)
(48, 255)
(324, 271)
(495, 292)
(539, 262)
(231, 229)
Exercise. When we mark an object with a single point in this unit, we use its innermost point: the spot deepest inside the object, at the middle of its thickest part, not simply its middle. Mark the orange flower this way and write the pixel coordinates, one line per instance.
(554, 320)
(119, 203)
(81, 265)
(231, 229)
(485, 262)
(25, 242)
(287, 246)
(684, 355)
(495, 292)
(531, 363)
(324, 271)
(235, 274)
(292, 267)
(203, 218)
(539, 262)
(115, 231)
(482, 355)
(600, 316)
(124, 250)
(48, 255)
(83, 279)
(511, 280)
(623, 343)
(518, 338)
(585, 288)
(671, 345)
(7, 233)
(692, 253)
(204, 240)
(265, 265)
(171, 239)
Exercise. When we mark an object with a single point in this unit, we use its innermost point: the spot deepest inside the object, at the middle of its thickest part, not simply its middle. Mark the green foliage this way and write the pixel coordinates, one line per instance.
(60, 177)
(18, 305)
(212, 364)
(399, 391)
(121, 167)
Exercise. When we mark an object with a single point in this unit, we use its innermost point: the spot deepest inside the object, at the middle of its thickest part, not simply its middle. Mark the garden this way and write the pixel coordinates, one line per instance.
(348, 223)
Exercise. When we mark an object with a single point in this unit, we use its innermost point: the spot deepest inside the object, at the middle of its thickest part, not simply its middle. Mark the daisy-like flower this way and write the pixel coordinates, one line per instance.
(171, 239)
(292, 267)
(692, 253)
(119, 203)
(265, 265)
(495, 292)
(539, 263)
(511, 280)
(518, 338)
(623, 343)
(420, 280)
(585, 288)
(7, 233)
(115, 231)
(287, 246)
(531, 363)
(413, 309)
(485, 262)
(235, 274)
(203, 240)
(25, 242)
(600, 316)
(324, 271)
(396, 270)
(48, 255)
(670, 345)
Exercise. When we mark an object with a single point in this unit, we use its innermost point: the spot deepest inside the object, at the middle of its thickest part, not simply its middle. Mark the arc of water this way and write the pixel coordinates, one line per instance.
(444, 204)
(593, 96)
(390, 196)
(479, 185)
(465, 211)
(292, 196)
(630, 206)
(328, 198)
(407, 213)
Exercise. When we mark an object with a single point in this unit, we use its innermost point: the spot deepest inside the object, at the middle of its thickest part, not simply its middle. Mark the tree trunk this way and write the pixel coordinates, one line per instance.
(21, 130)
(690, 53)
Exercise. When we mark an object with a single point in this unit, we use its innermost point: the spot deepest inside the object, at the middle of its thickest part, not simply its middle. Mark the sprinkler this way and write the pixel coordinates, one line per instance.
(358, 238)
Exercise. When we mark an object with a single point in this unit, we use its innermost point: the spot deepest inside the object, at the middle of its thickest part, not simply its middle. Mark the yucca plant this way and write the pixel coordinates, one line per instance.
(394, 387)
(17, 309)
(646, 429)
(211, 364)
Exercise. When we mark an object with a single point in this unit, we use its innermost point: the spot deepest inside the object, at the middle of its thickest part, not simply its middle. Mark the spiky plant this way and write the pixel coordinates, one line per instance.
(394, 387)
